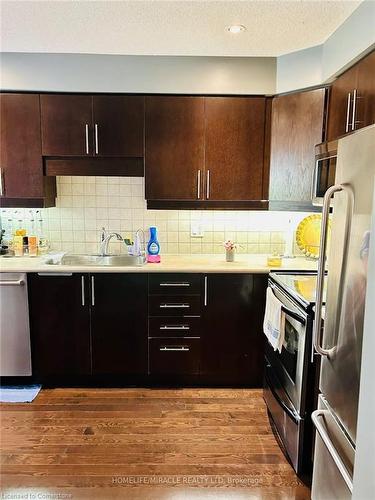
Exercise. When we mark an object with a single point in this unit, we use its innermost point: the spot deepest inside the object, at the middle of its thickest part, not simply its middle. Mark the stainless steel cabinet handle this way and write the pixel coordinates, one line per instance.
(354, 108)
(181, 349)
(175, 306)
(174, 284)
(12, 283)
(208, 185)
(199, 184)
(205, 290)
(2, 184)
(347, 113)
(96, 139)
(92, 290)
(170, 327)
(87, 138)
(316, 416)
(321, 270)
(83, 290)
(314, 182)
(55, 274)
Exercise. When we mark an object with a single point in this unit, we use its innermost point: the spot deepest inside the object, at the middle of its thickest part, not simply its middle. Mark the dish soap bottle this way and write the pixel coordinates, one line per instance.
(153, 247)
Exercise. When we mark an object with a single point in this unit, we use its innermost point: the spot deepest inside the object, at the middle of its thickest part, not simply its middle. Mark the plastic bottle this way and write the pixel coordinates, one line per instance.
(43, 244)
(7, 226)
(18, 245)
(153, 247)
(33, 239)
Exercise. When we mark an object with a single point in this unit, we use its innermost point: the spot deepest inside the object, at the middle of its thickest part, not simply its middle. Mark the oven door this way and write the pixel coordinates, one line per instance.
(290, 363)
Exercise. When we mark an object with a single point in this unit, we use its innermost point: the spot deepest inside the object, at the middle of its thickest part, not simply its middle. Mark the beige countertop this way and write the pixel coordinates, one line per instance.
(202, 263)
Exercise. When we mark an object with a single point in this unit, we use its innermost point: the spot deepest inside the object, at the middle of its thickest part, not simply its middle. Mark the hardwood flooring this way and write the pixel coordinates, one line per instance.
(144, 444)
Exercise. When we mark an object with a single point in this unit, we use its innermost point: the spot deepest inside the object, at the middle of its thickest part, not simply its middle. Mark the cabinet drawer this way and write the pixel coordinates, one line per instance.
(174, 284)
(172, 305)
(174, 356)
(174, 327)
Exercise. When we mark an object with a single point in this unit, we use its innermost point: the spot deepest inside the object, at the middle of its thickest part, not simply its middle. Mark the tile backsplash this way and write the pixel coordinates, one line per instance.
(86, 204)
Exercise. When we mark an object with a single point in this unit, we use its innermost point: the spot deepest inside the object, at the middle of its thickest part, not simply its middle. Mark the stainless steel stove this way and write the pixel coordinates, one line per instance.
(290, 375)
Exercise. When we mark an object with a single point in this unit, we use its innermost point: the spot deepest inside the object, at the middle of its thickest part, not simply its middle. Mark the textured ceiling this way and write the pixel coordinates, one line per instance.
(169, 27)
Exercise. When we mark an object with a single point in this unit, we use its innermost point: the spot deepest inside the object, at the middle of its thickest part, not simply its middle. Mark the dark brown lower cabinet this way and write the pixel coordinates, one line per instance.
(232, 338)
(174, 356)
(60, 324)
(96, 325)
(119, 323)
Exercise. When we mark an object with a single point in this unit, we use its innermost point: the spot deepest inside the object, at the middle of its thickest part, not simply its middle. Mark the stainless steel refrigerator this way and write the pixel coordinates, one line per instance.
(338, 338)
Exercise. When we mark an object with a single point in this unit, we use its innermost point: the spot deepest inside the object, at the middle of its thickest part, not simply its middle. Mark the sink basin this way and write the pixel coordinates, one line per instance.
(99, 260)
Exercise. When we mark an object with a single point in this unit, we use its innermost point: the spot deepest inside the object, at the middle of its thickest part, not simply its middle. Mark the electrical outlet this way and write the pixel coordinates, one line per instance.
(196, 230)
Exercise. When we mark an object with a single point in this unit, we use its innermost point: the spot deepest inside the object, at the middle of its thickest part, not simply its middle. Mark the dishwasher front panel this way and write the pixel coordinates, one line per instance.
(15, 351)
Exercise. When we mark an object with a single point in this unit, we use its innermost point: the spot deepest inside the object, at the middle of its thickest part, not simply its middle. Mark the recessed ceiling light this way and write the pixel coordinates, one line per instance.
(236, 28)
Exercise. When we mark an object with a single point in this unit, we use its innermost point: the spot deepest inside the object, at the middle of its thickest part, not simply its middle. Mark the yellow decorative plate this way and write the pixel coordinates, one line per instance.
(308, 235)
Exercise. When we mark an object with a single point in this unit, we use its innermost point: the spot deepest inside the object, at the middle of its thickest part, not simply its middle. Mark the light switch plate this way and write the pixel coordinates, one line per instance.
(196, 230)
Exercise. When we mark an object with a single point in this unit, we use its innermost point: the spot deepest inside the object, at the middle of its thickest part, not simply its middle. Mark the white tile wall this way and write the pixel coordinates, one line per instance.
(86, 204)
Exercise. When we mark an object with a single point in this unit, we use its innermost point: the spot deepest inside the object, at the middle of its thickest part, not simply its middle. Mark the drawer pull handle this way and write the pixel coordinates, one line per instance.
(182, 349)
(12, 283)
(174, 306)
(174, 284)
(177, 327)
(55, 274)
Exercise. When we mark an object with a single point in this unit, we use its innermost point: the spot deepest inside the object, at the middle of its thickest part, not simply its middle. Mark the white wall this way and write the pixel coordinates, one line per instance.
(299, 69)
(143, 74)
(194, 75)
(350, 41)
(320, 64)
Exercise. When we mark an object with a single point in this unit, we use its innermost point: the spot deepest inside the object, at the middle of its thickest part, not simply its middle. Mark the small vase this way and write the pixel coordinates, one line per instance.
(229, 255)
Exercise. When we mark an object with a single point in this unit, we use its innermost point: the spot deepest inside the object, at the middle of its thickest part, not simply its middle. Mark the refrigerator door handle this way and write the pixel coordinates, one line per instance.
(321, 270)
(316, 416)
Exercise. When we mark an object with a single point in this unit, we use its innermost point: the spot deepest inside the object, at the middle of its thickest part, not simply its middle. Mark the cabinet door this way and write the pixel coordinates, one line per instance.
(234, 148)
(365, 110)
(340, 104)
(232, 337)
(174, 152)
(20, 152)
(119, 323)
(118, 125)
(297, 126)
(66, 125)
(59, 324)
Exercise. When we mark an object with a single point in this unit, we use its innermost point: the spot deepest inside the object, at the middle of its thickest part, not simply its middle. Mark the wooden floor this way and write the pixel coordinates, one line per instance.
(144, 444)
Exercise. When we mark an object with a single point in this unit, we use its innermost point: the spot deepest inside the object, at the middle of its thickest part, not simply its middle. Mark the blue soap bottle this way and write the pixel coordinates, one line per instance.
(153, 247)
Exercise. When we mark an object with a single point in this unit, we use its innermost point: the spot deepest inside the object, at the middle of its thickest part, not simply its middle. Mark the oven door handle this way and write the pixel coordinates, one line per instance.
(287, 408)
(288, 311)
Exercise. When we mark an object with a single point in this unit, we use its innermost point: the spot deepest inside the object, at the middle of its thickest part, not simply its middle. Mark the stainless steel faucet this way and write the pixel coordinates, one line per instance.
(105, 239)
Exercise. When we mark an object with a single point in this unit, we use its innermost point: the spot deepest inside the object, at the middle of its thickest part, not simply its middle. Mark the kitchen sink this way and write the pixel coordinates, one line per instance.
(100, 260)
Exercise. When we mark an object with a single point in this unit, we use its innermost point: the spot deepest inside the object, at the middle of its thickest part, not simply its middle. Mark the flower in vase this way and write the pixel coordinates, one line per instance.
(229, 245)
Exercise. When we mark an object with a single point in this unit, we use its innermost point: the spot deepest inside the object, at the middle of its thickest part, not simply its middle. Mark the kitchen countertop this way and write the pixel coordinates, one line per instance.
(202, 263)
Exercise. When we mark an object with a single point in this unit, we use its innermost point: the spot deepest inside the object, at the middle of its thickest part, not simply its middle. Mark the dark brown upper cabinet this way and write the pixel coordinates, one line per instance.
(297, 126)
(174, 152)
(21, 167)
(234, 148)
(87, 126)
(118, 125)
(66, 125)
(204, 151)
(352, 99)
